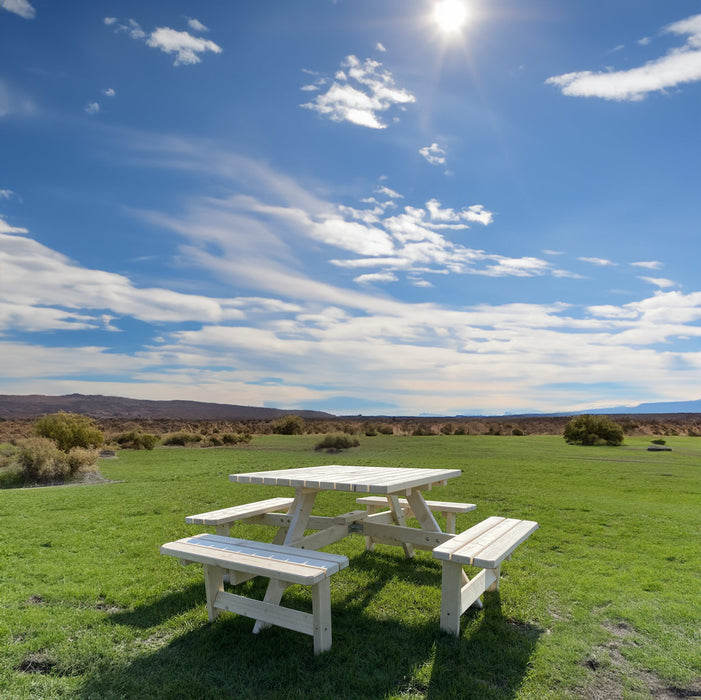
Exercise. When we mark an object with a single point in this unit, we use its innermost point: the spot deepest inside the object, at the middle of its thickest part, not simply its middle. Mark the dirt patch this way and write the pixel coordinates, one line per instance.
(609, 668)
(36, 663)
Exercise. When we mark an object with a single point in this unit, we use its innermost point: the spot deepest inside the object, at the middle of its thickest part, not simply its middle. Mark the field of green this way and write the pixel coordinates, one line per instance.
(603, 601)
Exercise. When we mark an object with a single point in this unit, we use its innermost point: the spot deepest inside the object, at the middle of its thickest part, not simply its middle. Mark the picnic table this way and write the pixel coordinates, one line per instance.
(292, 557)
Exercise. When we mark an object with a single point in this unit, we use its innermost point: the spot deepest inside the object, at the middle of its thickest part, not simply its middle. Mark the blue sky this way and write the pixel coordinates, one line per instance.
(352, 206)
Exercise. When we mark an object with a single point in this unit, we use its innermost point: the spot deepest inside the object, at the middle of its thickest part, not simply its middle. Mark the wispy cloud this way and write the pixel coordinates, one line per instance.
(360, 90)
(679, 66)
(14, 102)
(109, 92)
(19, 7)
(660, 282)
(186, 47)
(92, 107)
(648, 264)
(196, 25)
(600, 262)
(434, 154)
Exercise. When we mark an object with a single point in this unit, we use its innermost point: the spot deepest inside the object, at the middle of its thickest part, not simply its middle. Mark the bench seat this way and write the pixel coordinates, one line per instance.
(485, 545)
(287, 565)
(224, 517)
(448, 509)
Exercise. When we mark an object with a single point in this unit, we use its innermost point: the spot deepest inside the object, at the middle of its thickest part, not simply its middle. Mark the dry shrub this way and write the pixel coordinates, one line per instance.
(41, 461)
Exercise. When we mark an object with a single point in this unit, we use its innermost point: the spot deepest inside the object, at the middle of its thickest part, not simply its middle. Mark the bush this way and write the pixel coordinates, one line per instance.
(41, 461)
(236, 438)
(181, 439)
(658, 441)
(135, 440)
(68, 430)
(593, 430)
(340, 441)
(289, 425)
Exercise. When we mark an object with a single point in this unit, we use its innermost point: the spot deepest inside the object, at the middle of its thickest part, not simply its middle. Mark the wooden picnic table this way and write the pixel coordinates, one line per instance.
(388, 527)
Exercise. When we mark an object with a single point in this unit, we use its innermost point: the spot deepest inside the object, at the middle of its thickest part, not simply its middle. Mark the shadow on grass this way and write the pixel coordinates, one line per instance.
(374, 655)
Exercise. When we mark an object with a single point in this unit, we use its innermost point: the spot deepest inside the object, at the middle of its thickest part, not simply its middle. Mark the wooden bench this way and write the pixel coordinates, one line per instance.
(284, 565)
(223, 518)
(447, 509)
(485, 545)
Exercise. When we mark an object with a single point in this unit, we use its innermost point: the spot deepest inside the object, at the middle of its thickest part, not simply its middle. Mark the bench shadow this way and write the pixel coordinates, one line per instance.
(371, 656)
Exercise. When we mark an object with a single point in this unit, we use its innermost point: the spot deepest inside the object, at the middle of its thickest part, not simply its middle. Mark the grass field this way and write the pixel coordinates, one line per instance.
(604, 601)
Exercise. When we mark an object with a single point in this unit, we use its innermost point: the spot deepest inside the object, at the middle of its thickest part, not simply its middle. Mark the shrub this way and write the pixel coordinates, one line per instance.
(40, 460)
(340, 441)
(289, 425)
(593, 430)
(136, 440)
(236, 438)
(68, 430)
(181, 439)
(658, 441)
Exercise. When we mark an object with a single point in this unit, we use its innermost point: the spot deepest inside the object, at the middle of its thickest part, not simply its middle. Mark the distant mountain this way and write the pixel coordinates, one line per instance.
(33, 405)
(661, 407)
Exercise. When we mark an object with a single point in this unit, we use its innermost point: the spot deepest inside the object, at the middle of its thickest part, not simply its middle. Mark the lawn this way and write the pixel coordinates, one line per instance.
(602, 602)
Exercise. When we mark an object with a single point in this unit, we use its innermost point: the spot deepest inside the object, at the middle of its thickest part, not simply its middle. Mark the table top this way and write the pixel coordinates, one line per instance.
(334, 477)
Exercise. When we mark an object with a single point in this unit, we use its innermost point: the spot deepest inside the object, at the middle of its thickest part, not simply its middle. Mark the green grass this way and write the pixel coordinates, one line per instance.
(602, 601)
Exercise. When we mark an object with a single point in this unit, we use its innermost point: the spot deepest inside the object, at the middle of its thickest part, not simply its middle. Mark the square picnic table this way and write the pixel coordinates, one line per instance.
(387, 527)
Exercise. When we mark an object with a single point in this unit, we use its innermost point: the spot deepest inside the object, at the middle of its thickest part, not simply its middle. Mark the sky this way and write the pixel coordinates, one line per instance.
(394, 207)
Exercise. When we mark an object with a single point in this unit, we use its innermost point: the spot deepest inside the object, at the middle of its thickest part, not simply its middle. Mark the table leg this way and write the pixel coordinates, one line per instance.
(300, 510)
(398, 516)
(425, 517)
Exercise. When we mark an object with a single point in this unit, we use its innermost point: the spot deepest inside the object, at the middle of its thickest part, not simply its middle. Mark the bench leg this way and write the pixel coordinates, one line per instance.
(213, 585)
(458, 593)
(451, 598)
(321, 609)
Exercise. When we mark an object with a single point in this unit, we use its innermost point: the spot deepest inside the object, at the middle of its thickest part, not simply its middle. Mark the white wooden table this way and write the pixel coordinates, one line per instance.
(388, 527)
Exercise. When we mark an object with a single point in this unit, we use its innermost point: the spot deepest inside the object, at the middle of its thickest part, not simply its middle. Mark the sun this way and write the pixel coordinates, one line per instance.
(450, 15)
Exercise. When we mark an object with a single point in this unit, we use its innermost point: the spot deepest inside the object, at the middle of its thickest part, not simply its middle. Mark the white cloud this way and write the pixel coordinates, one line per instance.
(434, 154)
(388, 192)
(679, 66)
(660, 282)
(380, 47)
(109, 92)
(185, 46)
(7, 194)
(196, 25)
(360, 90)
(92, 107)
(19, 7)
(600, 262)
(649, 264)
(6, 228)
(376, 277)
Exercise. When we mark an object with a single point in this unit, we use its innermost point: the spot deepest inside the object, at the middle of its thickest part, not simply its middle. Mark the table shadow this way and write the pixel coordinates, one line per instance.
(371, 657)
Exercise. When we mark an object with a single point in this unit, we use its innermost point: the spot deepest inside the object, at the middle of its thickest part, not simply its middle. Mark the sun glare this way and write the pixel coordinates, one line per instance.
(450, 15)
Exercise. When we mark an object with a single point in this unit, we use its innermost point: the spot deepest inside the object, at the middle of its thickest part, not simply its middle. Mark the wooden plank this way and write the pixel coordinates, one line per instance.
(445, 550)
(470, 550)
(321, 606)
(322, 538)
(398, 516)
(491, 556)
(349, 478)
(271, 614)
(245, 510)
(396, 535)
(266, 549)
(421, 511)
(290, 572)
(438, 506)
